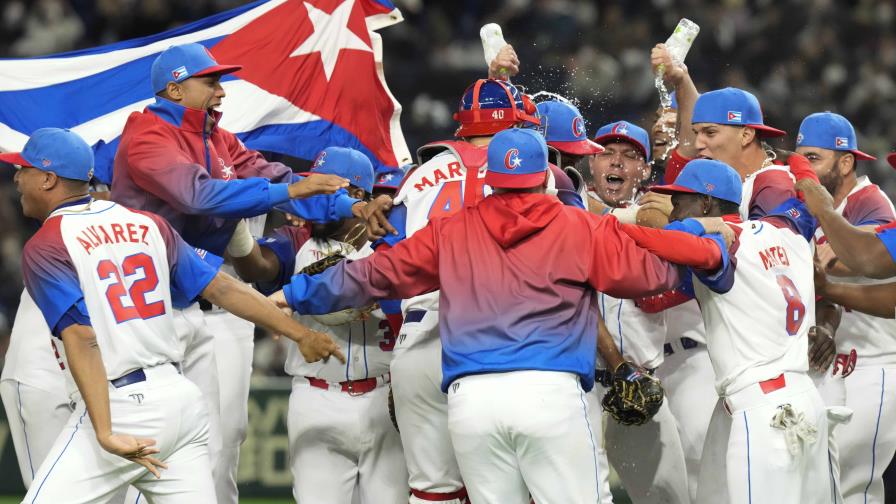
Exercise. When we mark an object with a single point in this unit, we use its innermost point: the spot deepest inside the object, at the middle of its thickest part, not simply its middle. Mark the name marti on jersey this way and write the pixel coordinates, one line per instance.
(96, 235)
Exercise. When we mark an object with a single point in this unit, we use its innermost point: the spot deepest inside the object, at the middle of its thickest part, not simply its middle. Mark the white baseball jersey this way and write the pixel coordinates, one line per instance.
(639, 335)
(764, 190)
(119, 270)
(32, 357)
(436, 188)
(685, 321)
(367, 344)
(757, 327)
(872, 337)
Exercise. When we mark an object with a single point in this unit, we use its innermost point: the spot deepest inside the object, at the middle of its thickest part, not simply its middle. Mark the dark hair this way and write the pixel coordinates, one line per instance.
(727, 207)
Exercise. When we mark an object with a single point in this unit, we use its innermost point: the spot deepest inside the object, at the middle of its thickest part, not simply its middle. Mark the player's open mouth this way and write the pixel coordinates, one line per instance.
(659, 143)
(614, 182)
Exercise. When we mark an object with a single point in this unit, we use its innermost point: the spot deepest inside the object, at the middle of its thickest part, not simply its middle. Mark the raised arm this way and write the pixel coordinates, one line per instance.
(677, 77)
(865, 253)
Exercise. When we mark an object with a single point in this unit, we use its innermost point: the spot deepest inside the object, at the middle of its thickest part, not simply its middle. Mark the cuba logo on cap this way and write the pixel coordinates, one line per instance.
(799, 138)
(709, 187)
(179, 72)
(619, 128)
(320, 160)
(841, 142)
(734, 116)
(512, 159)
(578, 127)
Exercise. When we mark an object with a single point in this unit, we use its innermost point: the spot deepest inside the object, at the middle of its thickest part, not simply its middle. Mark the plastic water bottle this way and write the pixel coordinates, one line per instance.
(679, 43)
(492, 42)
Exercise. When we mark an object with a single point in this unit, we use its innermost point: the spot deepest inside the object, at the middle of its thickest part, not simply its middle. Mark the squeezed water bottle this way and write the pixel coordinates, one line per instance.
(492, 42)
(682, 38)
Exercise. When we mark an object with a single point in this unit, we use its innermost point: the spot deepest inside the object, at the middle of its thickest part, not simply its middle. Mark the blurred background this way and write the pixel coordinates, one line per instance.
(797, 56)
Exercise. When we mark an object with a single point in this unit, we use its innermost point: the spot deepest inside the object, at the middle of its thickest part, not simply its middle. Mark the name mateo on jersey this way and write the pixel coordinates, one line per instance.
(439, 176)
(774, 256)
(97, 235)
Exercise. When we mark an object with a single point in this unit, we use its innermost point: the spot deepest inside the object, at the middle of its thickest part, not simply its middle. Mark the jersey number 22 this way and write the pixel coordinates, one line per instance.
(116, 292)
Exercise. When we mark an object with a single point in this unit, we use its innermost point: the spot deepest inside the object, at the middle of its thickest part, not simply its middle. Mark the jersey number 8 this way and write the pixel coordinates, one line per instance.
(796, 310)
(137, 293)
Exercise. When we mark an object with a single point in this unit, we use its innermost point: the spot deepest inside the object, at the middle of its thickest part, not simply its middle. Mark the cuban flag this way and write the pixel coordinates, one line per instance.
(312, 77)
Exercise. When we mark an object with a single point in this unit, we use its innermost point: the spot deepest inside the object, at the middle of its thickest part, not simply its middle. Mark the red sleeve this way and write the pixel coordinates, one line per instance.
(408, 269)
(677, 247)
(868, 206)
(801, 168)
(622, 269)
(250, 163)
(674, 165)
(770, 190)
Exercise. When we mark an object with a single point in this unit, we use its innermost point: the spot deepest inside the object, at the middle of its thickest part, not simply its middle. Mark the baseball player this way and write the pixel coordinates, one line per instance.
(174, 160)
(340, 434)
(565, 131)
(33, 388)
(495, 264)
(450, 176)
(105, 279)
(617, 173)
(865, 356)
(767, 440)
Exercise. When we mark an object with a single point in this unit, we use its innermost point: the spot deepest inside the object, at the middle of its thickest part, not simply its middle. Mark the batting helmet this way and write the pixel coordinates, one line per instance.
(489, 106)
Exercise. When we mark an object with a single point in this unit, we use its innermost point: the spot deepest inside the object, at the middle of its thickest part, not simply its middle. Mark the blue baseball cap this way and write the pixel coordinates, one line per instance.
(179, 63)
(389, 178)
(706, 176)
(56, 150)
(626, 132)
(733, 107)
(565, 128)
(347, 163)
(517, 159)
(827, 130)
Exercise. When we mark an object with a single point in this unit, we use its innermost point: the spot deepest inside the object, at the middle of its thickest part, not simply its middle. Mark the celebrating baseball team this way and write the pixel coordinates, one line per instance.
(501, 323)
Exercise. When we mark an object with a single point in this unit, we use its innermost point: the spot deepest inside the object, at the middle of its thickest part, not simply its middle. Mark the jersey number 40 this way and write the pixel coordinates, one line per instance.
(116, 292)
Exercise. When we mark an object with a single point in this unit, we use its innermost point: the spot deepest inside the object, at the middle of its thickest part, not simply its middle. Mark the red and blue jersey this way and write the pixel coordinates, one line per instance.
(202, 183)
(121, 271)
(518, 276)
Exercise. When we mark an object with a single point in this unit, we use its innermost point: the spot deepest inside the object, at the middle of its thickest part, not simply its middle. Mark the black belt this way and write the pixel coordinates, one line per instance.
(414, 315)
(205, 305)
(135, 376)
(686, 343)
(131, 378)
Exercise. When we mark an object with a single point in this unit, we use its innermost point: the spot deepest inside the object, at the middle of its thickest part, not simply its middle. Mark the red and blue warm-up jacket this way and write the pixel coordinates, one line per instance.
(518, 276)
(202, 183)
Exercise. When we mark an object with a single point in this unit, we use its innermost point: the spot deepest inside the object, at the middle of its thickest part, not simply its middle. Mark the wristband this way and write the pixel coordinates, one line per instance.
(242, 242)
(627, 215)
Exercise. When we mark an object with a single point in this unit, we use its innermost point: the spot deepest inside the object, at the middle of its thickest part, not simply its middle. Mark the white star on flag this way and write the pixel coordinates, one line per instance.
(331, 35)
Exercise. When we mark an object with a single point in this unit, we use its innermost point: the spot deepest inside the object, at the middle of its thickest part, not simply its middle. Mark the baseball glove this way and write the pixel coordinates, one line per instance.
(342, 316)
(634, 397)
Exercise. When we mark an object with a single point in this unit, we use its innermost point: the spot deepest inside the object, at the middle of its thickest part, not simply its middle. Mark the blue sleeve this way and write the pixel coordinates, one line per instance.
(570, 198)
(320, 208)
(398, 217)
(283, 247)
(76, 314)
(888, 237)
(49, 273)
(190, 274)
(800, 220)
(719, 281)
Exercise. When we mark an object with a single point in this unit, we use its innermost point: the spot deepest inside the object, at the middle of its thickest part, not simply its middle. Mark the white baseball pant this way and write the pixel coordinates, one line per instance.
(868, 442)
(422, 414)
(648, 458)
(746, 460)
(35, 417)
(165, 407)
(339, 441)
(688, 378)
(523, 433)
(234, 342)
(598, 424)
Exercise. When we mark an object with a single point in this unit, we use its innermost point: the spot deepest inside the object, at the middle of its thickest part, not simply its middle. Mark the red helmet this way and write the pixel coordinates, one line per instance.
(489, 106)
